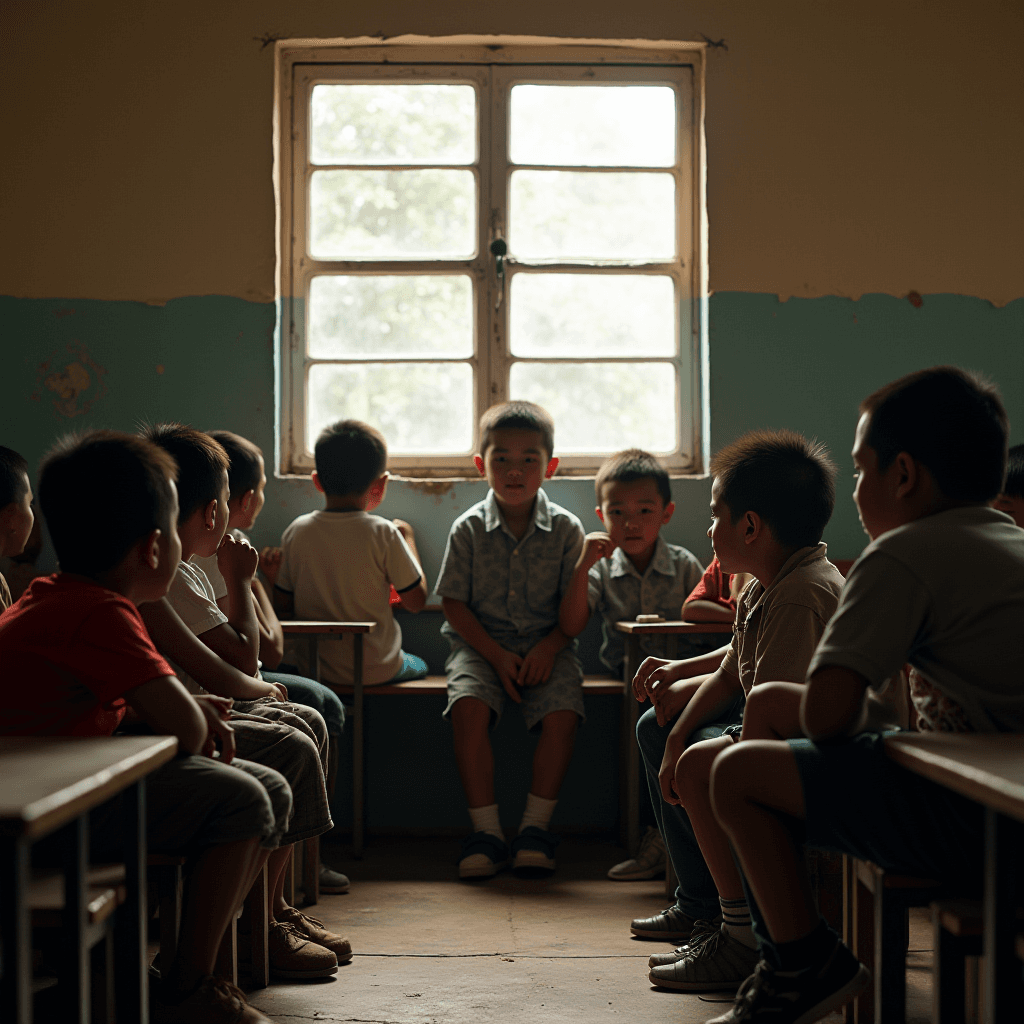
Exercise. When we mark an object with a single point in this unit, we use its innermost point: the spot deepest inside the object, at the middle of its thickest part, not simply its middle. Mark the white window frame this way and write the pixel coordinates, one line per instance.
(492, 64)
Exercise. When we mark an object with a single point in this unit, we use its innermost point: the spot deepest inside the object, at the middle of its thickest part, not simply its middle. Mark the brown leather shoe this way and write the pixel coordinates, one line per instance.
(215, 1001)
(294, 955)
(315, 931)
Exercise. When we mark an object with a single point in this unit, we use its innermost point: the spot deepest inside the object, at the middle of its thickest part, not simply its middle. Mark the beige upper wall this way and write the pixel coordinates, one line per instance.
(852, 147)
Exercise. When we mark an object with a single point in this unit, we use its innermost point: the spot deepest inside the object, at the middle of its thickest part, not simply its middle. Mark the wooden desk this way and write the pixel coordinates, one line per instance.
(52, 782)
(629, 801)
(989, 769)
(314, 632)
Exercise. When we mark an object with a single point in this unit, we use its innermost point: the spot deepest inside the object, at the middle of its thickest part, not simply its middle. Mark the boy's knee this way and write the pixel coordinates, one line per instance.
(560, 723)
(727, 776)
(693, 770)
(470, 713)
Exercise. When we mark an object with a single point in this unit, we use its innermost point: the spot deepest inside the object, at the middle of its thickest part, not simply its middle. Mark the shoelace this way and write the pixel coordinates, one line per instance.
(757, 990)
(650, 839)
(702, 931)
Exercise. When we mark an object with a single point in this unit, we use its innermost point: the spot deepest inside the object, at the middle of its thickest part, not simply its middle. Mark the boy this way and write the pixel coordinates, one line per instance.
(338, 563)
(627, 571)
(226, 817)
(218, 651)
(16, 516)
(247, 480)
(1011, 498)
(714, 597)
(930, 455)
(508, 561)
(771, 497)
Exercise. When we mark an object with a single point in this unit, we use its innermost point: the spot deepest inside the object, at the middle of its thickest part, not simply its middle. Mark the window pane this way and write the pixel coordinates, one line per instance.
(393, 316)
(579, 215)
(603, 407)
(396, 215)
(393, 124)
(580, 315)
(593, 125)
(420, 408)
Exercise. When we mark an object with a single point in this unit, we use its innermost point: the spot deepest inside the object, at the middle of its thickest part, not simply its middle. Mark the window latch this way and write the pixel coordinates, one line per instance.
(499, 250)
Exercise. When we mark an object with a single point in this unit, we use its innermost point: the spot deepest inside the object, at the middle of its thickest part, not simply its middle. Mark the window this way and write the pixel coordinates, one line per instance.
(461, 225)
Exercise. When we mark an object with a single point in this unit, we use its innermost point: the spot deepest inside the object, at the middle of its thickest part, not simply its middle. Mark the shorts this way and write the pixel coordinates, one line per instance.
(470, 675)
(860, 802)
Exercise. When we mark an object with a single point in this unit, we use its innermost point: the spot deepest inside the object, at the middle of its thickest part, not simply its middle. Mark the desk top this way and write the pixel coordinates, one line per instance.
(647, 628)
(326, 628)
(47, 781)
(985, 767)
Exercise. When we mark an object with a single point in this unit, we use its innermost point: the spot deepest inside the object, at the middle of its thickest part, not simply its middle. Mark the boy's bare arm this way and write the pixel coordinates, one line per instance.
(574, 612)
(772, 711)
(654, 672)
(271, 633)
(176, 641)
(833, 705)
(168, 709)
(467, 625)
(237, 641)
(415, 597)
(706, 611)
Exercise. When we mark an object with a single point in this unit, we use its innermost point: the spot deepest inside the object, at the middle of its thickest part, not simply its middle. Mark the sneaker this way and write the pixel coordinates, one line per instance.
(332, 883)
(314, 930)
(702, 930)
(483, 855)
(215, 1001)
(719, 964)
(533, 852)
(294, 955)
(670, 924)
(798, 997)
(649, 861)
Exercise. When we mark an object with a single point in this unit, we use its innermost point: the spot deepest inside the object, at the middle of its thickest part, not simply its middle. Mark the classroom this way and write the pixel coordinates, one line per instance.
(845, 208)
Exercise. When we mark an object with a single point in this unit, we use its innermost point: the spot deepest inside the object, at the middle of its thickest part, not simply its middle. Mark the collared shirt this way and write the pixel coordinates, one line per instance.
(778, 628)
(512, 586)
(619, 592)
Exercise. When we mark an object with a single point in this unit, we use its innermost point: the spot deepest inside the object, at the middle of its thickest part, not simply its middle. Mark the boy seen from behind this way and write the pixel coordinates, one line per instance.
(930, 456)
(16, 515)
(339, 563)
(1011, 497)
(507, 564)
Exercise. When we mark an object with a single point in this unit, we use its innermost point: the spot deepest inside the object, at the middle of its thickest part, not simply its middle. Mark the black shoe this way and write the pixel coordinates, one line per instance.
(797, 997)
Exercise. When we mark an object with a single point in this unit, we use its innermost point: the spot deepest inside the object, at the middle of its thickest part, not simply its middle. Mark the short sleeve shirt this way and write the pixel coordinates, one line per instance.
(777, 628)
(619, 592)
(69, 652)
(946, 595)
(513, 587)
(5, 593)
(341, 565)
(714, 586)
(192, 597)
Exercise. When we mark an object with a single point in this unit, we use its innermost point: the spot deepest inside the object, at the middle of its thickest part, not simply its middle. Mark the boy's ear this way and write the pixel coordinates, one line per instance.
(907, 474)
(600, 514)
(245, 502)
(552, 466)
(377, 490)
(478, 461)
(669, 509)
(316, 482)
(753, 526)
(149, 548)
(210, 515)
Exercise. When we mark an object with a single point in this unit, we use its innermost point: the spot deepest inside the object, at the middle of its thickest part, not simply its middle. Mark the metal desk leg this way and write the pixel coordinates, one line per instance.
(1004, 848)
(15, 934)
(629, 801)
(358, 793)
(75, 972)
(130, 934)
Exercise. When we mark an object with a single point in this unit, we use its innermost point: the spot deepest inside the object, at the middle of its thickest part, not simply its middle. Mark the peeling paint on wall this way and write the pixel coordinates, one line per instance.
(436, 489)
(74, 377)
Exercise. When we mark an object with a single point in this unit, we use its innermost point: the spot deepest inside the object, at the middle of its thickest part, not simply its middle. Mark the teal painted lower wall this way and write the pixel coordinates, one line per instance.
(209, 361)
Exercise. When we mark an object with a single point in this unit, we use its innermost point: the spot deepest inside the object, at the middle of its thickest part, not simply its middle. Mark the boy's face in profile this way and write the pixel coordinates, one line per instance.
(727, 536)
(633, 512)
(1011, 506)
(246, 520)
(515, 465)
(16, 521)
(874, 491)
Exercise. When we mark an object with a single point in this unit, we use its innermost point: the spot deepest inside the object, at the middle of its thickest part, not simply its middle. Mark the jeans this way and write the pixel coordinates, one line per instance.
(696, 894)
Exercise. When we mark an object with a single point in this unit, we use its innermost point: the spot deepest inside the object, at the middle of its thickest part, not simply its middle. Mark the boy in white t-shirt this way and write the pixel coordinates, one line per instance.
(340, 563)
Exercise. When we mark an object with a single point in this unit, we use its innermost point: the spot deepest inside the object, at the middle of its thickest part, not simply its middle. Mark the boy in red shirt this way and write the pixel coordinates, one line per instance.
(78, 637)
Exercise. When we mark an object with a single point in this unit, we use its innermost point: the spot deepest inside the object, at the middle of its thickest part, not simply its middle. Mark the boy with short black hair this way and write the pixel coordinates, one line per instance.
(16, 515)
(930, 455)
(771, 498)
(507, 564)
(1011, 498)
(341, 562)
(226, 817)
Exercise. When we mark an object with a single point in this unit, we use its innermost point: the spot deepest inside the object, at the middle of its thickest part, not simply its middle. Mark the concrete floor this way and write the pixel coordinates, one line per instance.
(429, 949)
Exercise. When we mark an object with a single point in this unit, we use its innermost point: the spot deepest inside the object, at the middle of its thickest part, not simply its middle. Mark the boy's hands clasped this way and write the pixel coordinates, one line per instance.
(532, 670)
(237, 559)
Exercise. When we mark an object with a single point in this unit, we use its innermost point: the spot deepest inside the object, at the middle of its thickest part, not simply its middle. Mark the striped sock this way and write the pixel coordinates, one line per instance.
(736, 921)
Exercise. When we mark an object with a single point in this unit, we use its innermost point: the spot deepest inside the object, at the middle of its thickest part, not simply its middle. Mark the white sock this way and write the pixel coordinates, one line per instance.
(485, 819)
(736, 921)
(538, 812)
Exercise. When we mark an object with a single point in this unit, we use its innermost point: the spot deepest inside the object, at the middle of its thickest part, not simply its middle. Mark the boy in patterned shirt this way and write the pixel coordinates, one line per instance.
(508, 561)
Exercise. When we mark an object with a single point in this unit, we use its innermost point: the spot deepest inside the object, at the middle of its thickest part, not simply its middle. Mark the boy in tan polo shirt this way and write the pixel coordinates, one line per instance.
(772, 496)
